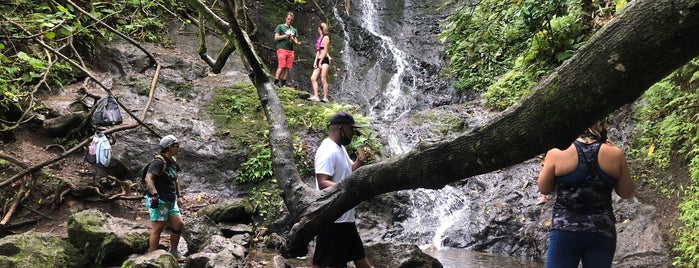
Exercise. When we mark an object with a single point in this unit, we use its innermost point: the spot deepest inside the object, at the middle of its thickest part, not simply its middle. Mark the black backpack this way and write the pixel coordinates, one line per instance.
(144, 170)
(107, 112)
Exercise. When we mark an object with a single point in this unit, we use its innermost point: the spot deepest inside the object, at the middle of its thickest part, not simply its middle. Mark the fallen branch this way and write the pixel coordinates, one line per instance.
(12, 160)
(21, 223)
(37, 212)
(13, 206)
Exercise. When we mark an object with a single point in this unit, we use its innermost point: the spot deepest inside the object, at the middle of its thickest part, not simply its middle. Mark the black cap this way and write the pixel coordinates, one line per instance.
(342, 118)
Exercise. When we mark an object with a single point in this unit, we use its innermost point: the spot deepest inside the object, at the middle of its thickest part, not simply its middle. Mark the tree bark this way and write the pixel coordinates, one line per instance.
(639, 47)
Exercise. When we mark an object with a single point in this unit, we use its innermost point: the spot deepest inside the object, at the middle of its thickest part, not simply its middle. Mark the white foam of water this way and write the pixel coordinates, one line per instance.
(393, 93)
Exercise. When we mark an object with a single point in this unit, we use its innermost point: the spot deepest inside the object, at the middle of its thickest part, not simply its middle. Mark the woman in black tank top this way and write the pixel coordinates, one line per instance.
(583, 176)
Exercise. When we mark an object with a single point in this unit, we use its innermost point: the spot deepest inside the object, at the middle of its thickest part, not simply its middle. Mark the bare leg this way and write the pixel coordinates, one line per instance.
(278, 73)
(177, 224)
(314, 81)
(154, 238)
(362, 263)
(324, 80)
(284, 74)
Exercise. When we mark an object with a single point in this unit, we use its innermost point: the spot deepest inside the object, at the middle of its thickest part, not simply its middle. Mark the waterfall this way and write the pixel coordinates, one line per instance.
(389, 92)
(394, 98)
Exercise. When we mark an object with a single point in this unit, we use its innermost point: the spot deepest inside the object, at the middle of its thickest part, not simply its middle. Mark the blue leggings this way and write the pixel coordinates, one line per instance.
(567, 249)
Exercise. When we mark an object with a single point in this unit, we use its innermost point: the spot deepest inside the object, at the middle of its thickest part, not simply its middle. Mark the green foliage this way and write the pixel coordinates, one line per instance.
(689, 233)
(266, 198)
(237, 111)
(26, 66)
(257, 168)
(505, 47)
(509, 89)
(557, 43)
(141, 20)
(486, 38)
(24, 63)
(667, 130)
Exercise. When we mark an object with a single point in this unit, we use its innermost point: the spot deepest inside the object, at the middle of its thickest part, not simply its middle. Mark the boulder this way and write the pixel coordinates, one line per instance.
(218, 251)
(33, 249)
(219, 243)
(399, 255)
(229, 230)
(159, 258)
(106, 239)
(198, 232)
(236, 210)
(223, 258)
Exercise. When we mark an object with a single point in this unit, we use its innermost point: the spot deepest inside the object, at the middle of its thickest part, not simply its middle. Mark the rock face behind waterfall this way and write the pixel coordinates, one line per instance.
(496, 212)
(364, 63)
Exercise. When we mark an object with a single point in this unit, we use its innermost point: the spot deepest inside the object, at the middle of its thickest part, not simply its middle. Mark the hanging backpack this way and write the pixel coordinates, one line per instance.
(90, 154)
(107, 112)
(99, 152)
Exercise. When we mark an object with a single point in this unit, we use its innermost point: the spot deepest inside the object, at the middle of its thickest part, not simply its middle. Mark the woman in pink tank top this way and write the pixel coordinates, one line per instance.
(321, 63)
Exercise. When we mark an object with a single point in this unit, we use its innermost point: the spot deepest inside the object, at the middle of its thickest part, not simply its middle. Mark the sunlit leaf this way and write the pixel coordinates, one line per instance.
(620, 4)
(50, 35)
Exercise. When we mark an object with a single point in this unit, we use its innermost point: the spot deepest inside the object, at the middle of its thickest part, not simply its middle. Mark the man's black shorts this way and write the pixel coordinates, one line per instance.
(338, 244)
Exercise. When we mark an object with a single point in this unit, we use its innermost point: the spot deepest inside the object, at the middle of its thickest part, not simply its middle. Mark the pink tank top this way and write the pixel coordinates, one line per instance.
(319, 43)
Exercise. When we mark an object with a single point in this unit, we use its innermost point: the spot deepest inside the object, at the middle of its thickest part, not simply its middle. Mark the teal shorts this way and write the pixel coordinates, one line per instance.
(164, 210)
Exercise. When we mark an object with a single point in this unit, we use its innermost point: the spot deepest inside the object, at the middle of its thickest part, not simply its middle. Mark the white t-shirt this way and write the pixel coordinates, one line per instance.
(332, 160)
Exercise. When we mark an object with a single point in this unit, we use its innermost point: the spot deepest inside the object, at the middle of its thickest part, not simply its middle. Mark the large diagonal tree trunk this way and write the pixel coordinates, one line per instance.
(645, 43)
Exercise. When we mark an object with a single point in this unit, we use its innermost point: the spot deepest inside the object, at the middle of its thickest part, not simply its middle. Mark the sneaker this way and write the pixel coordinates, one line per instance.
(313, 98)
(178, 256)
(325, 99)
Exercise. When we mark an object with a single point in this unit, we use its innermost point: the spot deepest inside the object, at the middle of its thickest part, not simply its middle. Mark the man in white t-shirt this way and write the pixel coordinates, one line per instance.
(338, 243)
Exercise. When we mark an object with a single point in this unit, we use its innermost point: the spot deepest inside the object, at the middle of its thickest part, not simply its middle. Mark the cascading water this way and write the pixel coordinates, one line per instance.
(394, 100)
(392, 60)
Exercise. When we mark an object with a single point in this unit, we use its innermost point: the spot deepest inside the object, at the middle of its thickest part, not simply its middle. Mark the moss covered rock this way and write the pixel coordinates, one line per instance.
(33, 249)
(233, 211)
(159, 258)
(105, 239)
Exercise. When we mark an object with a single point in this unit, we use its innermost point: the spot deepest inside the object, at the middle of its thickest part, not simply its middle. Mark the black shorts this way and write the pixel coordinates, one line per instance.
(325, 61)
(337, 245)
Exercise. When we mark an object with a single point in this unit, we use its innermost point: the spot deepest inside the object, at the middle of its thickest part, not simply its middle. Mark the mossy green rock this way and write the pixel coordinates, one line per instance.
(105, 239)
(232, 211)
(33, 249)
(159, 258)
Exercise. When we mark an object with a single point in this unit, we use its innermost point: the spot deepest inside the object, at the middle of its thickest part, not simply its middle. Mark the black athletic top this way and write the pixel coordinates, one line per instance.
(583, 197)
